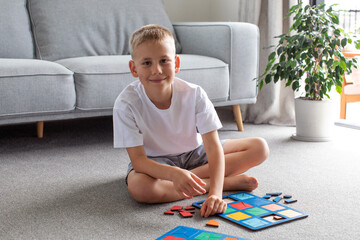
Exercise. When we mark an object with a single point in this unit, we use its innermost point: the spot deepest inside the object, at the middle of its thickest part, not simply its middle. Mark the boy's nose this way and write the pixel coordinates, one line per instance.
(157, 69)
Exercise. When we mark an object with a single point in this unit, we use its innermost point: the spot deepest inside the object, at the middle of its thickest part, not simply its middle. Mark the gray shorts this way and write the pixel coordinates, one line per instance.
(188, 160)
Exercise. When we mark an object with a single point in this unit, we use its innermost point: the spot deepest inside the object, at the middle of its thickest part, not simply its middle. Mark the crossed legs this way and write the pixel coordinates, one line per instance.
(240, 155)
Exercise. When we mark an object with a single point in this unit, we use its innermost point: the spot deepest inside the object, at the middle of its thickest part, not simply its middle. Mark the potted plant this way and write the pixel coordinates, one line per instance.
(309, 58)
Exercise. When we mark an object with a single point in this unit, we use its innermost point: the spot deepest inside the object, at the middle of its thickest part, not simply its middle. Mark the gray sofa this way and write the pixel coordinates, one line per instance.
(69, 59)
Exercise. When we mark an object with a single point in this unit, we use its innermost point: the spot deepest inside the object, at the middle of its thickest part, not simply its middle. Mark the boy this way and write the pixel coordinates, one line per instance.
(169, 129)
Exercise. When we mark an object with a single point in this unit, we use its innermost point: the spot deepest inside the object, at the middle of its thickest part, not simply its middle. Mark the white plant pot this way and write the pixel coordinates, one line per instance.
(315, 120)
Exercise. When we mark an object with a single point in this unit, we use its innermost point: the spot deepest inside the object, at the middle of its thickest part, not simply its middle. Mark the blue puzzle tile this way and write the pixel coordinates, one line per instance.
(255, 222)
(242, 196)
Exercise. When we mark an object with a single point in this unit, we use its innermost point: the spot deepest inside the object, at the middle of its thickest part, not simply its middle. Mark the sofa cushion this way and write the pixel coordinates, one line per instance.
(15, 30)
(77, 28)
(29, 86)
(210, 73)
(99, 79)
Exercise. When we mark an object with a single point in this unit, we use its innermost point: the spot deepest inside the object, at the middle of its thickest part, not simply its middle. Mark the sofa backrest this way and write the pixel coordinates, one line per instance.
(15, 30)
(76, 28)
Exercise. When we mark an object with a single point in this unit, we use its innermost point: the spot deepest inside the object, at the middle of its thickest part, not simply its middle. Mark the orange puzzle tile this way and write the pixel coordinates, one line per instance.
(212, 223)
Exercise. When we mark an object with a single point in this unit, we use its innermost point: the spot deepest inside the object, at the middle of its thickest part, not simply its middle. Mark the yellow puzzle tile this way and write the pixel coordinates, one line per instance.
(238, 216)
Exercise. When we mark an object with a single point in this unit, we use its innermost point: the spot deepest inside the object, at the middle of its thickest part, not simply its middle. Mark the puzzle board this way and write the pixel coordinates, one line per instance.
(255, 212)
(187, 233)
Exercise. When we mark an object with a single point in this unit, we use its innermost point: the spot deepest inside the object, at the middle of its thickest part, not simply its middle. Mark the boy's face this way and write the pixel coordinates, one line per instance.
(155, 64)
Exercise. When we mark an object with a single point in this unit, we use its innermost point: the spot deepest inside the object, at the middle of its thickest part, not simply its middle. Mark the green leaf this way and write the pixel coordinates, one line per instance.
(261, 85)
(338, 89)
(344, 42)
(271, 56)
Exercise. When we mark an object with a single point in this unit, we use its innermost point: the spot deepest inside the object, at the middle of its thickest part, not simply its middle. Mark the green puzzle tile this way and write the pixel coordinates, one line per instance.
(255, 211)
(208, 236)
(229, 210)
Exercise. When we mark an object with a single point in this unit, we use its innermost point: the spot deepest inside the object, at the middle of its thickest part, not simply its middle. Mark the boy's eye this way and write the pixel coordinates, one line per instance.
(147, 63)
(164, 60)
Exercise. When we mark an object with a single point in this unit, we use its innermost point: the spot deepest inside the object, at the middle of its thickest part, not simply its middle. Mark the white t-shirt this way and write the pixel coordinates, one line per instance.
(137, 121)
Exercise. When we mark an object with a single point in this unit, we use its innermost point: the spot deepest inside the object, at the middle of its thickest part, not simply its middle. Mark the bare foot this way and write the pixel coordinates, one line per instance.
(240, 183)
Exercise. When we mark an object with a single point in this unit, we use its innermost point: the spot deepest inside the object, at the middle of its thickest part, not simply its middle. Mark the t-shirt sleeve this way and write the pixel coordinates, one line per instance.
(207, 119)
(126, 132)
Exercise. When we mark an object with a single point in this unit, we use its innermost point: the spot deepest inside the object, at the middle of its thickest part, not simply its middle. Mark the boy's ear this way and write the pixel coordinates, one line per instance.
(133, 68)
(177, 63)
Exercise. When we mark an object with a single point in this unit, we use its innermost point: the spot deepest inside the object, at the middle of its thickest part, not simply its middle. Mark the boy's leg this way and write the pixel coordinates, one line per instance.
(144, 188)
(240, 155)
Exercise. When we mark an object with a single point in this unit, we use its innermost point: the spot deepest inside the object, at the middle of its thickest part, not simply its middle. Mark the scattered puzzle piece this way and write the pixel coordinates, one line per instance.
(276, 217)
(212, 223)
(169, 212)
(290, 200)
(267, 196)
(176, 208)
(277, 199)
(287, 196)
(274, 194)
(186, 214)
(190, 208)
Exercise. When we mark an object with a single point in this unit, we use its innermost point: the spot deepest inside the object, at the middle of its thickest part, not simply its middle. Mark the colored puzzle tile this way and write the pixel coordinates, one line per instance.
(169, 212)
(184, 232)
(238, 216)
(290, 200)
(173, 238)
(277, 199)
(242, 196)
(290, 213)
(257, 201)
(273, 218)
(255, 223)
(229, 210)
(231, 238)
(208, 236)
(287, 196)
(176, 208)
(186, 214)
(273, 207)
(255, 211)
(267, 196)
(190, 208)
(240, 205)
(274, 194)
(213, 223)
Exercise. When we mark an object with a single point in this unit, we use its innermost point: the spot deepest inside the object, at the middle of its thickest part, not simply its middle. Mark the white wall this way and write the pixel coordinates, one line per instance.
(202, 10)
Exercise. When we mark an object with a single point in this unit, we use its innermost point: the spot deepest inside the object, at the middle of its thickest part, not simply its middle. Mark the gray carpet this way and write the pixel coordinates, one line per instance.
(70, 184)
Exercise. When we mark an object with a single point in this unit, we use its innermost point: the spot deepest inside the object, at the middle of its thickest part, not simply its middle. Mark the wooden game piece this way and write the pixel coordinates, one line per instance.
(176, 208)
(290, 200)
(212, 223)
(274, 194)
(169, 212)
(287, 196)
(267, 196)
(190, 208)
(276, 217)
(277, 199)
(185, 214)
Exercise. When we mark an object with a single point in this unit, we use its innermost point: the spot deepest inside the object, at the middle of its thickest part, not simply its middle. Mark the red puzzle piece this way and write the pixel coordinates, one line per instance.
(176, 208)
(186, 214)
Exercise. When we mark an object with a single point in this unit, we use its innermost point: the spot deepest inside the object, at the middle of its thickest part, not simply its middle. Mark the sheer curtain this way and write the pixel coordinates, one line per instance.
(275, 103)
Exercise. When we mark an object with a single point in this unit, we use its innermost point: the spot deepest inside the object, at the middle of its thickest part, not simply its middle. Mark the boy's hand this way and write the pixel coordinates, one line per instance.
(212, 205)
(188, 184)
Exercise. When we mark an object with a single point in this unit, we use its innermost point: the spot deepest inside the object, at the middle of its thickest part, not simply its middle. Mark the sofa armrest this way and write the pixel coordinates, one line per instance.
(235, 43)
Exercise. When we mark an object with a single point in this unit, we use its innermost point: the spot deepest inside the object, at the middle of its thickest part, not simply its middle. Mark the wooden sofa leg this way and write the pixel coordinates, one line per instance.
(40, 129)
(238, 118)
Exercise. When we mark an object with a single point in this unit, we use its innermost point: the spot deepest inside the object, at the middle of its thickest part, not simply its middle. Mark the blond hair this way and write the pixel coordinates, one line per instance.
(151, 32)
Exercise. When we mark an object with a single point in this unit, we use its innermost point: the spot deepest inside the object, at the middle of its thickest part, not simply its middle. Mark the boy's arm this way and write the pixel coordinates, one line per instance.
(185, 182)
(216, 159)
